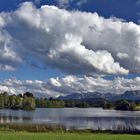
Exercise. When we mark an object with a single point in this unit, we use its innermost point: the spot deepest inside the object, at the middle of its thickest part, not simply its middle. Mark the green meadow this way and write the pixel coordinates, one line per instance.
(65, 136)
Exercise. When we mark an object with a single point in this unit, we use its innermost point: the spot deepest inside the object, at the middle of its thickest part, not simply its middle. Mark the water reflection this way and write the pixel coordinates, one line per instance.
(14, 119)
(89, 118)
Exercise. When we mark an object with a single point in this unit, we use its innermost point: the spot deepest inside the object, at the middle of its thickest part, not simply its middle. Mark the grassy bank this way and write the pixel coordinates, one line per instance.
(44, 132)
(60, 129)
(64, 136)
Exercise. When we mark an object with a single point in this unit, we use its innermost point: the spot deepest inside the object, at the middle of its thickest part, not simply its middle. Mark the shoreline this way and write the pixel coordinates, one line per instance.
(39, 128)
(70, 108)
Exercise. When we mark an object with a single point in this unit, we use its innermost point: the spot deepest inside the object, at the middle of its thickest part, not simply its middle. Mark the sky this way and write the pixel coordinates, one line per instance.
(59, 47)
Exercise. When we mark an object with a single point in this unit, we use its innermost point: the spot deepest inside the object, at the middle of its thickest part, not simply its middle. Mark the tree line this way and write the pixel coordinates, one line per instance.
(103, 103)
(49, 103)
(27, 102)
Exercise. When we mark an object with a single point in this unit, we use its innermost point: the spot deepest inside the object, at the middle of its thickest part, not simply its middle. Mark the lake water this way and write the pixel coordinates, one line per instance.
(78, 118)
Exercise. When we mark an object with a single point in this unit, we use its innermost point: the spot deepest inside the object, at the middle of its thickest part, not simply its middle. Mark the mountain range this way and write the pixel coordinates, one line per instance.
(128, 95)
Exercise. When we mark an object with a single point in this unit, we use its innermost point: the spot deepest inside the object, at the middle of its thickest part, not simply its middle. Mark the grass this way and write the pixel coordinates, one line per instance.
(138, 108)
(65, 136)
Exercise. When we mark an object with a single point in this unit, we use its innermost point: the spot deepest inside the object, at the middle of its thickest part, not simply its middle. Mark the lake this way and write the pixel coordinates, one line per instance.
(78, 118)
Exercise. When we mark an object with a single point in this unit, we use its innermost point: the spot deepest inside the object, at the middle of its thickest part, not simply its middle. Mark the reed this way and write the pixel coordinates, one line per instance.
(61, 129)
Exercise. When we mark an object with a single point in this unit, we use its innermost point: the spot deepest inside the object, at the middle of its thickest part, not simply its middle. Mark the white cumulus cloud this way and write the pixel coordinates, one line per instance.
(74, 42)
(72, 84)
(55, 87)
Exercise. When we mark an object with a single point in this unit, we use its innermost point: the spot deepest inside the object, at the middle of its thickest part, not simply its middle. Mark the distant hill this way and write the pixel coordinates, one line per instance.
(128, 95)
(131, 95)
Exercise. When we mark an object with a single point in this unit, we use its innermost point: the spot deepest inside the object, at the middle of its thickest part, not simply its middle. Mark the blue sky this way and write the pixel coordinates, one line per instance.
(126, 9)
(37, 58)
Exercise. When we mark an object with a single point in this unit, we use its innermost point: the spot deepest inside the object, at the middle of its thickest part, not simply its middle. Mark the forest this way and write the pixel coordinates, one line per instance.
(27, 102)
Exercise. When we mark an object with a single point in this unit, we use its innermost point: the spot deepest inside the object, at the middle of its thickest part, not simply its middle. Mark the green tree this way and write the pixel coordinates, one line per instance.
(28, 94)
(6, 99)
(12, 101)
(1, 101)
(18, 104)
(124, 105)
(28, 103)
